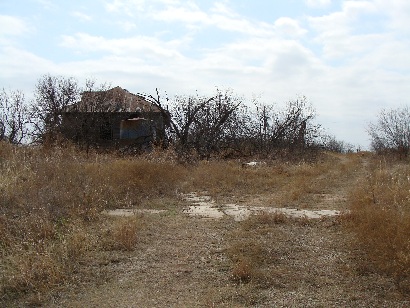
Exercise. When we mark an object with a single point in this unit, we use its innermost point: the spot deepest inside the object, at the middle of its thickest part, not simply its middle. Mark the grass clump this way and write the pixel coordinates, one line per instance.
(252, 253)
(123, 234)
(249, 260)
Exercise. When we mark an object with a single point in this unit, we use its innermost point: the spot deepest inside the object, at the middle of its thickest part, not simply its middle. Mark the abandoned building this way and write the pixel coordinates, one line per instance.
(114, 117)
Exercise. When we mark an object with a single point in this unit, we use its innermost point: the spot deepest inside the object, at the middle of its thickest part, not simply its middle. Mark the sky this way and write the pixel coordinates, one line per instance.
(350, 59)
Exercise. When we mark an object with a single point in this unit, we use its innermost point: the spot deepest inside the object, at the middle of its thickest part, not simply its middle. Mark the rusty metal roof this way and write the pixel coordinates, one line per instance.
(114, 100)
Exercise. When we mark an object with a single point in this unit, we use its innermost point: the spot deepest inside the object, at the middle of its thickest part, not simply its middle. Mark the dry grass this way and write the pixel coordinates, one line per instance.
(224, 178)
(252, 251)
(381, 220)
(286, 184)
(123, 234)
(51, 199)
(264, 220)
(53, 236)
(50, 205)
(33, 270)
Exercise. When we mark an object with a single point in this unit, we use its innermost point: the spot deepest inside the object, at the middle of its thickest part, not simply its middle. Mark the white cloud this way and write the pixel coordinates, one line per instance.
(220, 16)
(132, 7)
(340, 32)
(190, 14)
(222, 9)
(125, 6)
(364, 65)
(242, 25)
(354, 9)
(47, 4)
(398, 12)
(82, 16)
(141, 46)
(12, 26)
(318, 3)
(127, 25)
(15, 71)
(289, 27)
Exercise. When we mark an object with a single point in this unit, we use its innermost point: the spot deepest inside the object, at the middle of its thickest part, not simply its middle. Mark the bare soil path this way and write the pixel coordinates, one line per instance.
(183, 261)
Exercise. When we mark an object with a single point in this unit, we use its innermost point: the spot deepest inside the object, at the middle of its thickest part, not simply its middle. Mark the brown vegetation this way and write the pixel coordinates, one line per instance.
(56, 243)
(381, 212)
(50, 205)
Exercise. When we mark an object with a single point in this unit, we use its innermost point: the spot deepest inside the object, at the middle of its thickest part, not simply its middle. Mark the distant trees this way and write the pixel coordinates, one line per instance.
(330, 143)
(290, 129)
(223, 125)
(52, 94)
(391, 131)
(199, 123)
(13, 116)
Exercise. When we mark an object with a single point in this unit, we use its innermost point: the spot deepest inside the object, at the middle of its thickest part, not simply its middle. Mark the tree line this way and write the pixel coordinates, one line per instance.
(222, 124)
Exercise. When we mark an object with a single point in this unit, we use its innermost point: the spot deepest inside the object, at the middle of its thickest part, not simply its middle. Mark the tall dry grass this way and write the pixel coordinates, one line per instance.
(50, 210)
(380, 206)
(221, 178)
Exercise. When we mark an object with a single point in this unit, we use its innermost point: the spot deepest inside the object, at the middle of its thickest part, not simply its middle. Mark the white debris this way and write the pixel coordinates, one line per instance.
(131, 212)
(253, 164)
(205, 207)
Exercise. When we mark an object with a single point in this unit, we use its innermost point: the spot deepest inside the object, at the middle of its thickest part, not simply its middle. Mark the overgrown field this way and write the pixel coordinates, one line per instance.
(54, 236)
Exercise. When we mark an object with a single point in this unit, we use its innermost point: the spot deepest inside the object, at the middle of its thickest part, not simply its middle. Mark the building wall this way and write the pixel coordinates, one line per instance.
(104, 128)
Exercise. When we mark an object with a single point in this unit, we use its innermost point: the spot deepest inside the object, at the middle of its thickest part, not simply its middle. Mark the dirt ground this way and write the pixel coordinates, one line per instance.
(184, 261)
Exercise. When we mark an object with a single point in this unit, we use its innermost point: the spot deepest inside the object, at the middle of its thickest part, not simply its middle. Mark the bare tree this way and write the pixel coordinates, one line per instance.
(198, 123)
(330, 143)
(216, 124)
(222, 124)
(293, 127)
(52, 95)
(180, 119)
(288, 130)
(13, 116)
(391, 132)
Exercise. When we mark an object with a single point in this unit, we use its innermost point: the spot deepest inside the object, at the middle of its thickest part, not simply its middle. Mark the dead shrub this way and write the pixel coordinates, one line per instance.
(125, 235)
(252, 250)
(6, 239)
(250, 261)
(40, 228)
(276, 217)
(242, 271)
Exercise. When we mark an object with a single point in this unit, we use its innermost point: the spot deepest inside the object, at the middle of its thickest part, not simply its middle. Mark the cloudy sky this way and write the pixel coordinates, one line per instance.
(349, 58)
